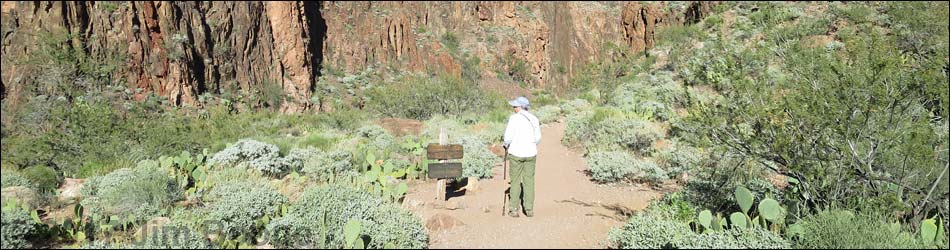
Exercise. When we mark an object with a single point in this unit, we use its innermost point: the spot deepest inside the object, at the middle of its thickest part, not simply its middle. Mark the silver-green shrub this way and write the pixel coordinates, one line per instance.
(574, 107)
(174, 236)
(645, 232)
(838, 229)
(234, 208)
(608, 129)
(18, 228)
(324, 164)
(334, 205)
(142, 192)
(258, 155)
(755, 238)
(290, 231)
(478, 160)
(11, 179)
(678, 157)
(548, 114)
(647, 170)
(608, 167)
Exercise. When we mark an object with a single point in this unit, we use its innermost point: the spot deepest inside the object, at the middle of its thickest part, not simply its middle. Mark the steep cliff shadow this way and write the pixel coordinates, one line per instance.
(318, 35)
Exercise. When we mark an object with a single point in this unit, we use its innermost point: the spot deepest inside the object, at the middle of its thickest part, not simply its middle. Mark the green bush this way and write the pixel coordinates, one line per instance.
(323, 211)
(677, 157)
(139, 193)
(174, 236)
(650, 232)
(421, 98)
(12, 179)
(715, 191)
(647, 170)
(755, 238)
(325, 164)
(290, 231)
(838, 229)
(258, 155)
(19, 230)
(608, 129)
(576, 106)
(645, 232)
(608, 167)
(548, 114)
(45, 178)
(234, 209)
(478, 160)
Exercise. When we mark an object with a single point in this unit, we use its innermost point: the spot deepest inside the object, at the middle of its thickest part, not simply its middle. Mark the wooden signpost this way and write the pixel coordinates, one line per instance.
(442, 170)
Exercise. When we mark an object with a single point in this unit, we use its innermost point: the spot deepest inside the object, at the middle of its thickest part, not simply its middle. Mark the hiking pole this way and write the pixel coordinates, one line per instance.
(504, 174)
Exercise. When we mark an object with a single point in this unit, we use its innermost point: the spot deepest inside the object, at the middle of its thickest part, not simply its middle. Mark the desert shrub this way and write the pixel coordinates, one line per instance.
(290, 231)
(257, 155)
(477, 161)
(677, 157)
(608, 167)
(647, 170)
(323, 211)
(324, 164)
(174, 236)
(11, 179)
(234, 209)
(570, 108)
(716, 191)
(379, 139)
(19, 230)
(656, 94)
(838, 229)
(44, 178)
(140, 193)
(609, 129)
(755, 238)
(576, 129)
(420, 98)
(645, 232)
(548, 114)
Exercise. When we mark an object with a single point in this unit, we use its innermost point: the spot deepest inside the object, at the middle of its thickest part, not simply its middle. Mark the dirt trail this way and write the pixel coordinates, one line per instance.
(570, 210)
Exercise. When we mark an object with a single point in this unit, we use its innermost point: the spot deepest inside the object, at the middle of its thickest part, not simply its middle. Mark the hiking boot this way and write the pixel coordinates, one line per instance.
(529, 214)
(513, 214)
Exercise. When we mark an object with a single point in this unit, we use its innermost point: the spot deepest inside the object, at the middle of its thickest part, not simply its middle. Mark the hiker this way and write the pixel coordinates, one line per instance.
(521, 143)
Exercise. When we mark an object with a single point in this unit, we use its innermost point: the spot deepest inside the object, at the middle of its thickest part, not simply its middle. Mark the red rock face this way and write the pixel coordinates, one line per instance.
(182, 50)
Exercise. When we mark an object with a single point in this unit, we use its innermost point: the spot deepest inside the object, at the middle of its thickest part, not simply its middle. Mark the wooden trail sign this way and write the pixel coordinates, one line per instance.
(443, 170)
(444, 152)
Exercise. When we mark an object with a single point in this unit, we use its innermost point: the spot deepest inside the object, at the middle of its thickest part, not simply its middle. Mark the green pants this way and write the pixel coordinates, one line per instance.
(522, 179)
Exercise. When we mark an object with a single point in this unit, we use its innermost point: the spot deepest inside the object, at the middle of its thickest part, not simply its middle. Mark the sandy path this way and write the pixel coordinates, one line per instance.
(570, 210)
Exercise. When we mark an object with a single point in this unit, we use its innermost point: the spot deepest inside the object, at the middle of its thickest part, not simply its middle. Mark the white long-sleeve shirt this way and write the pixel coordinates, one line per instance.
(523, 134)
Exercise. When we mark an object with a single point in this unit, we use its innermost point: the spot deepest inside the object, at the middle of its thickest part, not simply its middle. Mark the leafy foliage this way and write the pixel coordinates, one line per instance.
(755, 238)
(853, 122)
(611, 129)
(421, 98)
(323, 212)
(323, 165)
(477, 161)
(235, 208)
(18, 228)
(139, 193)
(645, 232)
(843, 229)
(174, 236)
(258, 155)
(607, 167)
(45, 178)
(12, 179)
